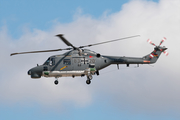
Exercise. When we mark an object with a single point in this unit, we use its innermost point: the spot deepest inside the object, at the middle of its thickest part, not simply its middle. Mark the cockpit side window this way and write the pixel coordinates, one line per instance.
(52, 61)
(67, 61)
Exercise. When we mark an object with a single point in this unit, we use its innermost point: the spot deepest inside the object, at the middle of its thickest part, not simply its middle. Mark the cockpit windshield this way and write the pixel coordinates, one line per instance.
(50, 61)
(47, 62)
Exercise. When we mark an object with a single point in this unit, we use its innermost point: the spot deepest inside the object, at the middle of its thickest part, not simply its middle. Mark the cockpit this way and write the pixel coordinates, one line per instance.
(50, 61)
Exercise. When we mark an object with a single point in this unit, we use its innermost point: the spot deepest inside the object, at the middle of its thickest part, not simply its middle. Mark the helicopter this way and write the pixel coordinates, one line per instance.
(84, 62)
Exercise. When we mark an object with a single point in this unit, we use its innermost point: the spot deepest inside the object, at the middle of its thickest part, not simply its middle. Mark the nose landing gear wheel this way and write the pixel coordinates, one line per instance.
(88, 82)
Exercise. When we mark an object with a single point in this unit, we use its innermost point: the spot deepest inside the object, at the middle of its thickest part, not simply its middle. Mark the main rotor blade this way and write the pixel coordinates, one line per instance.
(108, 41)
(40, 51)
(64, 40)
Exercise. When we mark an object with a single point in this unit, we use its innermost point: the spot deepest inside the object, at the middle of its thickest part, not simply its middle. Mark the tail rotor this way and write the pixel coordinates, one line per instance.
(158, 47)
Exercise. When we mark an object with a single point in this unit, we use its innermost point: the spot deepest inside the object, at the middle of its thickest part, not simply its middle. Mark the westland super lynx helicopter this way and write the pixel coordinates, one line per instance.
(84, 62)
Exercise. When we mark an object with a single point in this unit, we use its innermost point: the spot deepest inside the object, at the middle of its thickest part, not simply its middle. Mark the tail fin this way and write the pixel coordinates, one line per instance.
(153, 56)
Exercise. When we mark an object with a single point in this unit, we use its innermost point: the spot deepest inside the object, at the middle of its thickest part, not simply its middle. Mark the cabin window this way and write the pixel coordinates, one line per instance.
(82, 61)
(45, 68)
(67, 61)
(86, 61)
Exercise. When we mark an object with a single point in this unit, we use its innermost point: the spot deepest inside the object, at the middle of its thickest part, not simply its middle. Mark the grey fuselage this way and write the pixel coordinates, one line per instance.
(72, 63)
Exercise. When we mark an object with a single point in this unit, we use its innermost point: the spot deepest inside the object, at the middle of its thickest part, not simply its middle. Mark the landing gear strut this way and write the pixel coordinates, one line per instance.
(56, 81)
(89, 78)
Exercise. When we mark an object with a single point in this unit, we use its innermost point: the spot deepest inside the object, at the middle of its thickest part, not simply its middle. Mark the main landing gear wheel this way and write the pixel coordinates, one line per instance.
(56, 82)
(89, 78)
(88, 82)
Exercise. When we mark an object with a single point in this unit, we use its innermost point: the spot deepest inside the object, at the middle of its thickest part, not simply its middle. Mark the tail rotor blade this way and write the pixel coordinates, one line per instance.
(166, 53)
(150, 42)
(151, 55)
(163, 39)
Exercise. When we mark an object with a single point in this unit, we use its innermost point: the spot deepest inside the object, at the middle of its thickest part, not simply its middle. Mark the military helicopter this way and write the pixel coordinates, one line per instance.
(84, 62)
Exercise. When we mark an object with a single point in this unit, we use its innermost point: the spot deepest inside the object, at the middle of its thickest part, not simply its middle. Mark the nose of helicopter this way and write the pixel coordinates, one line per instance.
(29, 72)
(35, 72)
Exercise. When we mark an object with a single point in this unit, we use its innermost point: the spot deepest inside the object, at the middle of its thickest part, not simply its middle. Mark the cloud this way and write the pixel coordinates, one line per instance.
(146, 88)
(150, 89)
(17, 86)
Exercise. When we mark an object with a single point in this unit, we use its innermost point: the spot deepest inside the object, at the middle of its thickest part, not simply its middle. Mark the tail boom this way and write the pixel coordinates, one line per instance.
(148, 59)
